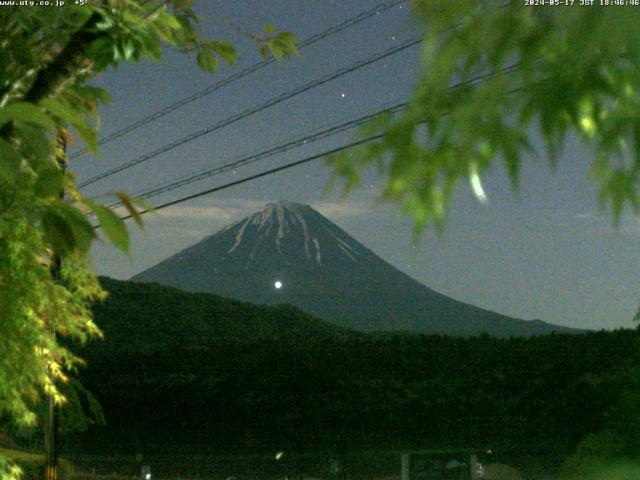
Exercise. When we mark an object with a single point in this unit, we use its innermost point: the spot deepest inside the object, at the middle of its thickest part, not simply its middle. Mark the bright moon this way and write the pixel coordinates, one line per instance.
(278, 284)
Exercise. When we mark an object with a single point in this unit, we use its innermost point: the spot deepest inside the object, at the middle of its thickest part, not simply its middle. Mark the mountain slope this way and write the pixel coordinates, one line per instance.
(324, 271)
(138, 315)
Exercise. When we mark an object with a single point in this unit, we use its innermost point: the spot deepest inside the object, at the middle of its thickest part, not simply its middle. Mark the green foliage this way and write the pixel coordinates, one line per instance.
(284, 378)
(47, 57)
(183, 318)
(595, 450)
(571, 70)
(207, 60)
(606, 470)
(398, 392)
(111, 224)
(82, 411)
(31, 465)
(280, 45)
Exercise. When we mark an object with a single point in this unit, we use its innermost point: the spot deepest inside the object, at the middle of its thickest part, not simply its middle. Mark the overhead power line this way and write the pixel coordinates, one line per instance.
(298, 142)
(469, 83)
(256, 109)
(262, 174)
(350, 22)
(250, 159)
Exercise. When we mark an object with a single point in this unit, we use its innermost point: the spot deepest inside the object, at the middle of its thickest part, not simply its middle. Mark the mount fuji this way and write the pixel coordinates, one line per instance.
(288, 253)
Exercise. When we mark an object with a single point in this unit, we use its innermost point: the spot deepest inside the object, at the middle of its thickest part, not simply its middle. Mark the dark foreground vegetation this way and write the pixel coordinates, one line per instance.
(392, 392)
(300, 385)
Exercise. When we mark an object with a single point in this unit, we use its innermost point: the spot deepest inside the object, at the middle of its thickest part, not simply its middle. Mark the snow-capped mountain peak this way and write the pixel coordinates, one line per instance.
(289, 253)
(308, 235)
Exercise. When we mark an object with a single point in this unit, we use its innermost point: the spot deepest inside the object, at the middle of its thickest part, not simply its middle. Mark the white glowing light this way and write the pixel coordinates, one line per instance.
(278, 284)
(279, 455)
(343, 94)
(476, 185)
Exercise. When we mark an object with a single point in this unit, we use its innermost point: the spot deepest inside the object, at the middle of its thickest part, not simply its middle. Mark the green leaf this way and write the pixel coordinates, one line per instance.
(226, 51)
(35, 141)
(113, 226)
(74, 118)
(83, 231)
(275, 50)
(66, 229)
(287, 42)
(207, 60)
(288, 37)
(105, 24)
(264, 50)
(89, 135)
(163, 32)
(152, 47)
(129, 50)
(169, 21)
(132, 204)
(26, 112)
(269, 28)
(182, 4)
(100, 52)
(61, 110)
(50, 183)
(57, 231)
(95, 93)
(9, 161)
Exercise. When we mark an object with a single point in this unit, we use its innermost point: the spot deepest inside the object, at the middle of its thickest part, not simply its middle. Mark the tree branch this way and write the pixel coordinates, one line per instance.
(66, 64)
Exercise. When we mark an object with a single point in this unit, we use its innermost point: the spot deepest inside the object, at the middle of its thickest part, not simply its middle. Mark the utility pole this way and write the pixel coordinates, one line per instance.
(51, 418)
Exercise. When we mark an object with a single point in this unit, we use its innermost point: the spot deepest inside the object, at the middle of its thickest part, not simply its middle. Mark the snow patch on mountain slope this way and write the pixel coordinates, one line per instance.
(239, 236)
(318, 257)
(305, 231)
(276, 221)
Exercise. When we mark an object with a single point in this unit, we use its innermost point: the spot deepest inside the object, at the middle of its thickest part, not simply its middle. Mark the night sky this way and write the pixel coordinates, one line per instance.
(546, 253)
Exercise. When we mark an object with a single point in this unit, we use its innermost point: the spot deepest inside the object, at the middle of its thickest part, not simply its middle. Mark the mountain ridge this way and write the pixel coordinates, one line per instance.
(149, 315)
(287, 252)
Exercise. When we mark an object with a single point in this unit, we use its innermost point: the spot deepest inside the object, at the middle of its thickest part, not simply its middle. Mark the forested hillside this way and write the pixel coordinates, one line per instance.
(199, 373)
(146, 315)
(387, 392)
